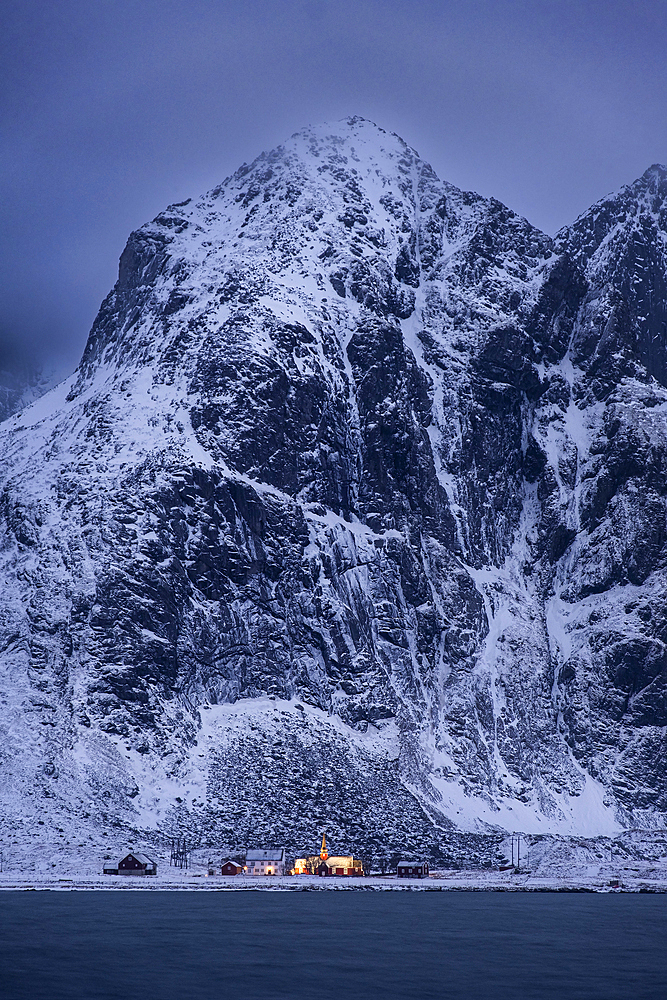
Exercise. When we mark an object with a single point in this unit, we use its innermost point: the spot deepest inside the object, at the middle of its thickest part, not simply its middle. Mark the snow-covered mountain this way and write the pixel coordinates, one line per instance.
(351, 518)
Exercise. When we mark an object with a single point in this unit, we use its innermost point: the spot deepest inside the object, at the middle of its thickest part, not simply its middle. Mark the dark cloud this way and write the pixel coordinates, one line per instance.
(112, 109)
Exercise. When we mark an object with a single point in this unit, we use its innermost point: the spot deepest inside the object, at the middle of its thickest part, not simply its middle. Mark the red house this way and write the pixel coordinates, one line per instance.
(341, 865)
(412, 869)
(230, 867)
(137, 864)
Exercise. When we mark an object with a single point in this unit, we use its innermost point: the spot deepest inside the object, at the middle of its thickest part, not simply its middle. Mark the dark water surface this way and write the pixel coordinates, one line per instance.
(343, 945)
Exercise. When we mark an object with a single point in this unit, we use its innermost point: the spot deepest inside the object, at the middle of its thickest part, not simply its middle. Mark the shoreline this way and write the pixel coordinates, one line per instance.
(456, 882)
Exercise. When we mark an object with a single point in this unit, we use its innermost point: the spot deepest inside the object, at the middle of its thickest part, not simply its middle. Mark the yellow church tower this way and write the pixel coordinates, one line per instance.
(324, 854)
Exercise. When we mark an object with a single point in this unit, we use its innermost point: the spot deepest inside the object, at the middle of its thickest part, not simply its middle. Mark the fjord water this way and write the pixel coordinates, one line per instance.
(319, 945)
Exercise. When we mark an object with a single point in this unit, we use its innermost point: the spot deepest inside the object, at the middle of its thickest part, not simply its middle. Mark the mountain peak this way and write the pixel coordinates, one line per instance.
(642, 204)
(355, 138)
(353, 127)
(657, 170)
(654, 184)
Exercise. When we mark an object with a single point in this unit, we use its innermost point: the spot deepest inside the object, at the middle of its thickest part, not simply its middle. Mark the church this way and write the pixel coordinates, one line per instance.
(325, 865)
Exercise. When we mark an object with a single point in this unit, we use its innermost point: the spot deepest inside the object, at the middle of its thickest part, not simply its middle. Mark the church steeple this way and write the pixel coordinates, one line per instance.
(324, 854)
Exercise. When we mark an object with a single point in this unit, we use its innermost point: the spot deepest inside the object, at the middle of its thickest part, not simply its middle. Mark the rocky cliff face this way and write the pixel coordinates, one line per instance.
(353, 516)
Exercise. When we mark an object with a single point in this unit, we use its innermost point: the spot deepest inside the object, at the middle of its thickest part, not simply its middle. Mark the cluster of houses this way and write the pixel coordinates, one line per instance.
(272, 862)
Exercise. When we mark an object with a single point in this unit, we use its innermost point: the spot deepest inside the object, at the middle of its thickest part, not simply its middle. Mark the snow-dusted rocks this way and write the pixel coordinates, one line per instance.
(348, 438)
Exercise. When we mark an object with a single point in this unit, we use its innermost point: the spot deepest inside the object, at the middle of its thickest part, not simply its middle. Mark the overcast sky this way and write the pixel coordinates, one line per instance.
(111, 109)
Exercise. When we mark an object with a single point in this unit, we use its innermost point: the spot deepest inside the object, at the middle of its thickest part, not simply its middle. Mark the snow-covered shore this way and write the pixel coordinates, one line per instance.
(635, 860)
(621, 880)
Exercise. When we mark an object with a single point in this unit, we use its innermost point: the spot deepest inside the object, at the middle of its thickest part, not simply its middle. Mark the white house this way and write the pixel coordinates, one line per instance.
(265, 862)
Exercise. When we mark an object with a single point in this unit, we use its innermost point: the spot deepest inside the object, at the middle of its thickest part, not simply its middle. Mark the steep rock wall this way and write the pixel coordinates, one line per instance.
(349, 438)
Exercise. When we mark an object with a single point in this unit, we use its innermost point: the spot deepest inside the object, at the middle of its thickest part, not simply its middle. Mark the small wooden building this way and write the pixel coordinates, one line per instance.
(137, 864)
(412, 869)
(229, 867)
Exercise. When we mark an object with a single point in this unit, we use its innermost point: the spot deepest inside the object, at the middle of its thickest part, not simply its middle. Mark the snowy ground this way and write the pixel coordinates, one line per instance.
(612, 880)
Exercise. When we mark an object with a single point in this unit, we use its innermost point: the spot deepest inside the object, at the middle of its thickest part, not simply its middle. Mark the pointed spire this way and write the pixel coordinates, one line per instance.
(324, 854)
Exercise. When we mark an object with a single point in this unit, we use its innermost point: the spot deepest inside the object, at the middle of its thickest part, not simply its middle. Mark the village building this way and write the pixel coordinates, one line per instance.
(311, 862)
(307, 865)
(341, 864)
(270, 862)
(133, 864)
(412, 869)
(229, 867)
(324, 865)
